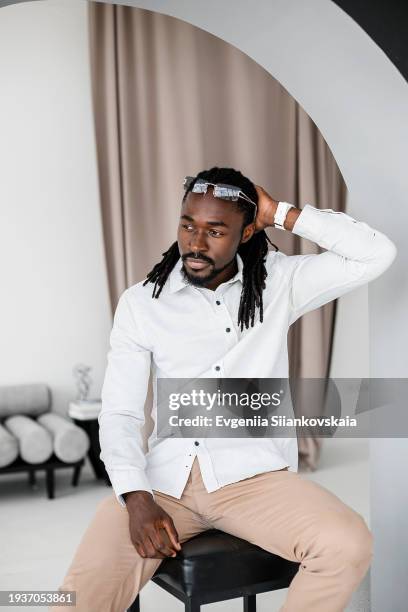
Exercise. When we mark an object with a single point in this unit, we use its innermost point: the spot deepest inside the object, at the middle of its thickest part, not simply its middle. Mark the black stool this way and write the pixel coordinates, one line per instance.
(215, 566)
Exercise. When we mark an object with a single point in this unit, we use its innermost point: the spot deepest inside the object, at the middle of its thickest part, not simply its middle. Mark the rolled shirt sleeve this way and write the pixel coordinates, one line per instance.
(123, 396)
(356, 254)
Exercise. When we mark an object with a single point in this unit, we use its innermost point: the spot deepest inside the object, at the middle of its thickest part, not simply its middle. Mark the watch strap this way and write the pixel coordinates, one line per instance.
(280, 214)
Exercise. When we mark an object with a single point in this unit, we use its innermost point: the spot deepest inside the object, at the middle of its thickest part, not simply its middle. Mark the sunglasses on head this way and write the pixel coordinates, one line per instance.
(231, 193)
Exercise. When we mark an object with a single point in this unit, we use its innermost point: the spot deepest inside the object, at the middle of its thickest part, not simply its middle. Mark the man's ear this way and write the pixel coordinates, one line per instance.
(248, 232)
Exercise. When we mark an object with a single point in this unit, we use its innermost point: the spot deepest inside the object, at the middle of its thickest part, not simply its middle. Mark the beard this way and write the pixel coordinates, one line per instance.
(201, 281)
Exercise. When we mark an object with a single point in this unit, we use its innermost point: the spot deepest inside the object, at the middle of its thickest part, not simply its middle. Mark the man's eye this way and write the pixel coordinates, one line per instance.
(188, 227)
(215, 233)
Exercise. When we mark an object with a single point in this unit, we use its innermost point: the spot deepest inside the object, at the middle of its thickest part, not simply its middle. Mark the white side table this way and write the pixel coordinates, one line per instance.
(84, 410)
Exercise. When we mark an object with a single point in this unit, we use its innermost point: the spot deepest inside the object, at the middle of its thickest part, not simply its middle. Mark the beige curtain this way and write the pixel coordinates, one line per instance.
(170, 100)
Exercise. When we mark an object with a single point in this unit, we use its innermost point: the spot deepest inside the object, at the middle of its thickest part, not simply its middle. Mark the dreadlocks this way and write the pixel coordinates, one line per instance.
(253, 252)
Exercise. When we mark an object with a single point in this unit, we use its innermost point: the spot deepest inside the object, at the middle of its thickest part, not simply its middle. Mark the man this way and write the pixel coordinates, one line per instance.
(220, 307)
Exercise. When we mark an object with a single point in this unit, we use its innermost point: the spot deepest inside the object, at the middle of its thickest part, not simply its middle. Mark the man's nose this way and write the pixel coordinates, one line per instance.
(198, 241)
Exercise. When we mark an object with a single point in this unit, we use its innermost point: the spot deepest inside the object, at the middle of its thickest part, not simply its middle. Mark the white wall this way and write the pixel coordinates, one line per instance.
(54, 300)
(351, 332)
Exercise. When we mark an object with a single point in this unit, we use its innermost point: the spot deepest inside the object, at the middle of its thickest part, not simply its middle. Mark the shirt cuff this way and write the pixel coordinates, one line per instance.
(124, 481)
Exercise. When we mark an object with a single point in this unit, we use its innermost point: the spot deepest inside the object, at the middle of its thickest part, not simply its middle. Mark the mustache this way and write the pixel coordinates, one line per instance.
(197, 258)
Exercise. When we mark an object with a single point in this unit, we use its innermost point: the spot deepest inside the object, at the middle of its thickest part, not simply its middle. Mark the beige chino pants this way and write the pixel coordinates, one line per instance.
(280, 511)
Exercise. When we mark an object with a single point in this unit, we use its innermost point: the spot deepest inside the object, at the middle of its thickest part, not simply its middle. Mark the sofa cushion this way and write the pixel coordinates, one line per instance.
(29, 400)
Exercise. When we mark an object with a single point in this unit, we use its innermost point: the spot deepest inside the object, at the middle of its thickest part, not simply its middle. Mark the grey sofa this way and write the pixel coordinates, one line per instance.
(33, 438)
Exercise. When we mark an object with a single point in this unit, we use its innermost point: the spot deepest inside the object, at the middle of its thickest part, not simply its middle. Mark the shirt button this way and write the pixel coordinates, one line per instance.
(217, 368)
(218, 302)
(228, 329)
(196, 443)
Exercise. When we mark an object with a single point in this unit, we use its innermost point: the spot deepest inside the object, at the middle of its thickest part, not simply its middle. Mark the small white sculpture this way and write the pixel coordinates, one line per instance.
(81, 373)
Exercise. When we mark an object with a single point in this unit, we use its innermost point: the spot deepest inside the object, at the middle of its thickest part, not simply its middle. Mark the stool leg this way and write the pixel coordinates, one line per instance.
(135, 607)
(249, 603)
(192, 605)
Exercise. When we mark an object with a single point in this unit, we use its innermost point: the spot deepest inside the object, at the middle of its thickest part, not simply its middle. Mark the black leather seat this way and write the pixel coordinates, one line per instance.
(215, 566)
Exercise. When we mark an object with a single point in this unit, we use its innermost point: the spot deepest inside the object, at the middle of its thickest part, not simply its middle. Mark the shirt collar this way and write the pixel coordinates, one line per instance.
(177, 280)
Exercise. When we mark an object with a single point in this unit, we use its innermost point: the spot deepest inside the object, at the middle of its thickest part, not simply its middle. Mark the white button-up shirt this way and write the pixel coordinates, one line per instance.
(183, 334)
